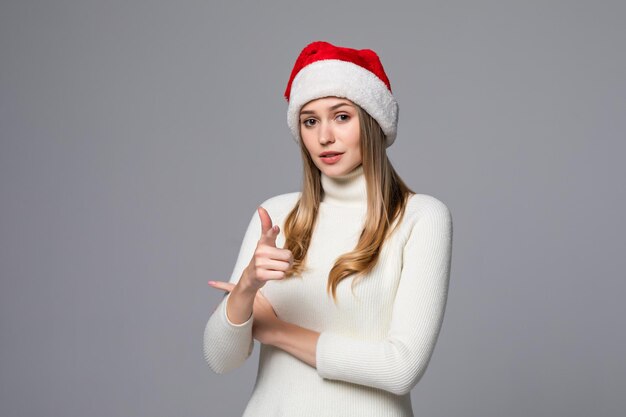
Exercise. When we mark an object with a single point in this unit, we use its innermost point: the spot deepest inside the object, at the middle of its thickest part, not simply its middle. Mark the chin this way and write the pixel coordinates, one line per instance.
(336, 171)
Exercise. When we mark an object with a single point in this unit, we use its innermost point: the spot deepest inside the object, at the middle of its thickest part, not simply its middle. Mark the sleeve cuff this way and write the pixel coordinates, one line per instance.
(224, 315)
(323, 359)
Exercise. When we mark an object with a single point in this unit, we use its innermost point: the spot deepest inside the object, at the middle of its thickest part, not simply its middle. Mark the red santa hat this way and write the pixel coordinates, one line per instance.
(323, 70)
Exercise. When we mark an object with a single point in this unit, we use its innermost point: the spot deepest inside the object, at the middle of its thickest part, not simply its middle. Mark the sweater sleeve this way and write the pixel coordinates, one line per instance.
(397, 363)
(227, 345)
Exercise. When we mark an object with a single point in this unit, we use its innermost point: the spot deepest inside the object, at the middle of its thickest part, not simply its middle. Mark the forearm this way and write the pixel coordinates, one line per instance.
(226, 345)
(240, 302)
(297, 341)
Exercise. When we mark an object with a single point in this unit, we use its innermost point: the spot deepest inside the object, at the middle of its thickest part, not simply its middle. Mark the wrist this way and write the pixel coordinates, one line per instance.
(243, 286)
(243, 293)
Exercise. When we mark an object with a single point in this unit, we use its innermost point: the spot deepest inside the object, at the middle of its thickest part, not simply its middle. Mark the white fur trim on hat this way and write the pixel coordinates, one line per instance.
(333, 77)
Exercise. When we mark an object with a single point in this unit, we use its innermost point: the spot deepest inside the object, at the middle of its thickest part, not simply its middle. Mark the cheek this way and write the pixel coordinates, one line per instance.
(355, 136)
(306, 140)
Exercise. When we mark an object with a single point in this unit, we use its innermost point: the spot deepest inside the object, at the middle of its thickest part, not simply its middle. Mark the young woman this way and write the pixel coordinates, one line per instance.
(348, 301)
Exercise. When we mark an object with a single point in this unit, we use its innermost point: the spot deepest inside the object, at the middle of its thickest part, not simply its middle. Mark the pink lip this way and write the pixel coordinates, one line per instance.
(330, 159)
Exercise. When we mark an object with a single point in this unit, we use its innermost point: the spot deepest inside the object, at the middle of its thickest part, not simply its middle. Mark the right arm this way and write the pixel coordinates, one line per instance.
(228, 340)
(228, 344)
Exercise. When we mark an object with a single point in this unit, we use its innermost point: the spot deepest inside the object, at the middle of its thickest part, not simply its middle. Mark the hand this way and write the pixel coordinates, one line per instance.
(268, 262)
(265, 323)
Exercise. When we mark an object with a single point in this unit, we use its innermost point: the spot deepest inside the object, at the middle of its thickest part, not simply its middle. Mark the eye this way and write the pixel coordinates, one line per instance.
(343, 117)
(308, 122)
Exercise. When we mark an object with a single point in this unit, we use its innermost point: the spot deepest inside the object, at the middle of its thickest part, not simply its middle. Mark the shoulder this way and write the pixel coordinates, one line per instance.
(281, 204)
(428, 224)
(425, 207)
(426, 203)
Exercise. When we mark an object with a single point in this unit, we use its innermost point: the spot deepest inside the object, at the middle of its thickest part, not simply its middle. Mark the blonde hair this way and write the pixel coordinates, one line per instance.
(387, 196)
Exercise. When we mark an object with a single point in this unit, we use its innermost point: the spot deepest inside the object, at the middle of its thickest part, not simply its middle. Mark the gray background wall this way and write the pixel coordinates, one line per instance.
(137, 138)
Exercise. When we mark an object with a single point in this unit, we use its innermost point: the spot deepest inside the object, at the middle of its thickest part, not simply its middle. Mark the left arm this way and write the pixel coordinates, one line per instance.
(296, 340)
(397, 362)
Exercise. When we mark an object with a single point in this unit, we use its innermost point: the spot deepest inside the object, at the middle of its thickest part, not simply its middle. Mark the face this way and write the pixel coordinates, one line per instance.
(330, 131)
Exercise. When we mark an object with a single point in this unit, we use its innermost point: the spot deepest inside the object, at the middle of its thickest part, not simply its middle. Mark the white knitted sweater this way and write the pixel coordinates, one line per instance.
(375, 344)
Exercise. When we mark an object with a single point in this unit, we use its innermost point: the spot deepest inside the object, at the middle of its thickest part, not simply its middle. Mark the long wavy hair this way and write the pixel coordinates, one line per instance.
(387, 196)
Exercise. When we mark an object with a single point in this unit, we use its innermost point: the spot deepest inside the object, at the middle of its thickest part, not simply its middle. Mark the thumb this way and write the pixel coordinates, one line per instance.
(268, 232)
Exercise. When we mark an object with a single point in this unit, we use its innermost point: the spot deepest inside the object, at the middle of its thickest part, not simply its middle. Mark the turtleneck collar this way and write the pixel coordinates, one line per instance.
(345, 190)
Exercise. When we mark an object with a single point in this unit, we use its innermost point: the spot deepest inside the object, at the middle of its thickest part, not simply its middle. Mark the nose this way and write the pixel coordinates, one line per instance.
(326, 134)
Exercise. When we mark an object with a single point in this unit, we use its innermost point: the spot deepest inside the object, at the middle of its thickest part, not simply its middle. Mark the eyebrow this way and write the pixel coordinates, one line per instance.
(336, 106)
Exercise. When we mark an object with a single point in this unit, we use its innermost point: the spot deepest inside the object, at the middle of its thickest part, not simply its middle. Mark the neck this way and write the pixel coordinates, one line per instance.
(345, 190)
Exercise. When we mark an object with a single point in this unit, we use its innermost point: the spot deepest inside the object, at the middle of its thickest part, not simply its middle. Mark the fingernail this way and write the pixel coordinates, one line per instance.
(211, 282)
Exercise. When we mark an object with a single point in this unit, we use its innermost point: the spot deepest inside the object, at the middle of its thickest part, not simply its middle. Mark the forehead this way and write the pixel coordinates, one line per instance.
(325, 102)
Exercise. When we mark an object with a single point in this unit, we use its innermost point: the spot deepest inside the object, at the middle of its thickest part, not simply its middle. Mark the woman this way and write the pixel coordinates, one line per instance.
(348, 301)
